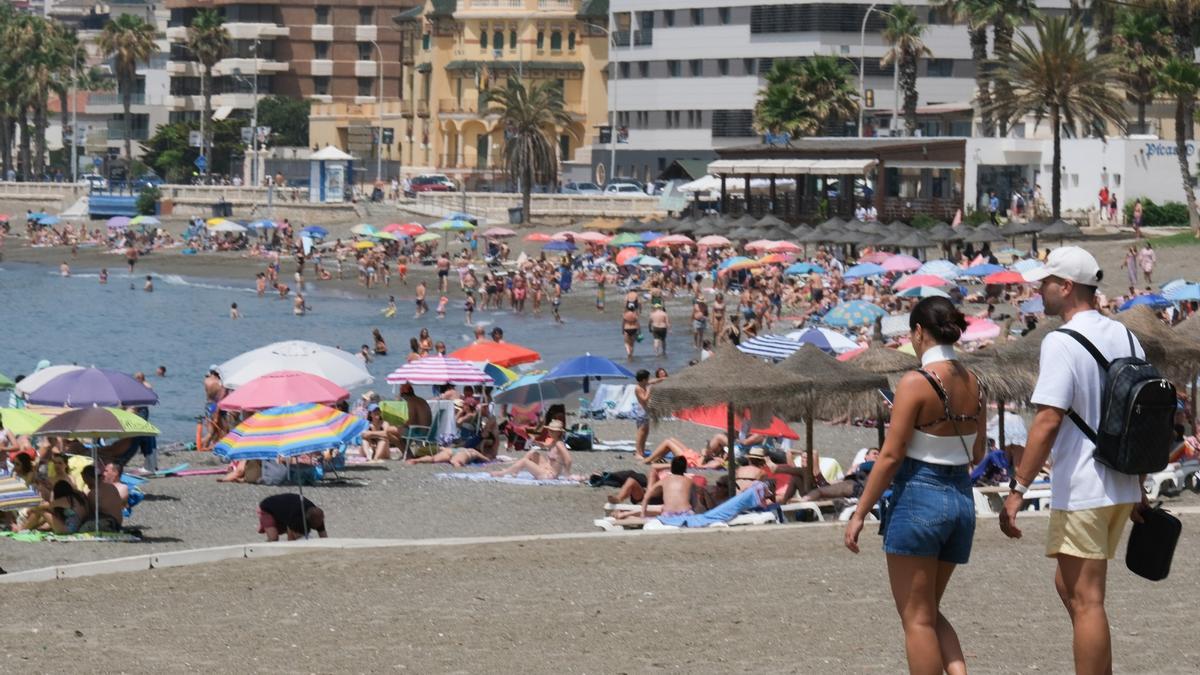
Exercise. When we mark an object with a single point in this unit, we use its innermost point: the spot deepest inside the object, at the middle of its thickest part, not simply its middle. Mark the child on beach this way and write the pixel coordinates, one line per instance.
(260, 284)
(469, 308)
(441, 308)
(390, 311)
(64, 269)
(103, 275)
(149, 287)
(556, 302)
(234, 313)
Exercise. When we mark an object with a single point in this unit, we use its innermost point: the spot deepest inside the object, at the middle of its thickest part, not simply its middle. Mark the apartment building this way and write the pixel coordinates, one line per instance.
(688, 73)
(460, 49)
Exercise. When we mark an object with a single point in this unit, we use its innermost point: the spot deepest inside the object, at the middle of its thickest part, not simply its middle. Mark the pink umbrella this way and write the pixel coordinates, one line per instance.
(593, 237)
(565, 235)
(713, 240)
(901, 263)
(980, 329)
(784, 247)
(915, 280)
(435, 369)
(672, 240)
(497, 233)
(1005, 277)
(876, 257)
(283, 387)
(625, 254)
(759, 245)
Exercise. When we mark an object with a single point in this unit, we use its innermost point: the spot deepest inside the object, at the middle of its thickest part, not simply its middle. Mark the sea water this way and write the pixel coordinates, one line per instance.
(184, 325)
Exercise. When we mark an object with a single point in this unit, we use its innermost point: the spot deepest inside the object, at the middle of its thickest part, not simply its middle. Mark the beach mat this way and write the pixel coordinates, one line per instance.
(78, 536)
(614, 446)
(523, 478)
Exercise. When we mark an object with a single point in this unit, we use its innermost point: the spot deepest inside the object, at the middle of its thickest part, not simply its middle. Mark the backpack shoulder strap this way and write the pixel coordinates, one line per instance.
(1091, 348)
(1132, 347)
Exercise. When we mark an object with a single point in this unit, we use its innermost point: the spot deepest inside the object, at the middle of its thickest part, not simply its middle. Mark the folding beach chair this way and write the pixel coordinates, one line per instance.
(422, 436)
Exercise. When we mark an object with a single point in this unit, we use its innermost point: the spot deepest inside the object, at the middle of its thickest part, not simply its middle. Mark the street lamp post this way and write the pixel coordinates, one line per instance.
(862, 62)
(75, 120)
(612, 95)
(379, 115)
(254, 121)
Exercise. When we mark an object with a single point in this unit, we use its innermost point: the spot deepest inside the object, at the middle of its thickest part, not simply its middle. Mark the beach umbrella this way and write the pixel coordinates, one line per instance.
(894, 325)
(826, 339)
(1186, 292)
(742, 234)
(783, 247)
(593, 237)
(923, 292)
(498, 233)
(144, 220)
(427, 237)
(649, 235)
(266, 225)
(533, 388)
(364, 245)
(731, 379)
(914, 280)
(387, 236)
(1167, 349)
(558, 246)
(1153, 300)
(363, 230)
(406, 229)
(983, 235)
(583, 368)
(499, 374)
(671, 240)
(901, 263)
(630, 225)
(283, 388)
(706, 229)
(942, 268)
(882, 360)
(715, 417)
(40, 377)
(289, 431)
(505, 354)
(438, 369)
(1026, 265)
(1005, 277)
(832, 224)
(627, 254)
(49, 220)
(942, 232)
(982, 270)
(6, 382)
(853, 314)
(452, 225)
(1034, 305)
(803, 268)
(3, 217)
(775, 259)
(1060, 230)
(863, 270)
(21, 421)
(646, 261)
(713, 240)
(737, 263)
(344, 369)
(88, 387)
(563, 235)
(980, 329)
(118, 222)
(767, 221)
(915, 239)
(758, 245)
(227, 226)
(96, 423)
(623, 239)
(680, 226)
(315, 232)
(774, 347)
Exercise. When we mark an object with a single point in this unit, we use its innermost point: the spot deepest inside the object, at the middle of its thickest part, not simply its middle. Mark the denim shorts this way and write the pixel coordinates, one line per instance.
(931, 513)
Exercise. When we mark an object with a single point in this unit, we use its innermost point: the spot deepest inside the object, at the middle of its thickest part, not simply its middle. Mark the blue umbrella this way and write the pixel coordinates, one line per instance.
(923, 292)
(49, 220)
(730, 262)
(1034, 305)
(854, 313)
(459, 215)
(585, 367)
(1026, 265)
(770, 347)
(983, 270)
(558, 246)
(803, 268)
(1182, 293)
(645, 261)
(315, 231)
(863, 270)
(1150, 299)
(265, 225)
(36, 215)
(452, 224)
(534, 388)
(650, 236)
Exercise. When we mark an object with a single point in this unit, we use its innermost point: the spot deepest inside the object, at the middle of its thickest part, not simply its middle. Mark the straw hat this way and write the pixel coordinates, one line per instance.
(756, 453)
(555, 425)
(370, 395)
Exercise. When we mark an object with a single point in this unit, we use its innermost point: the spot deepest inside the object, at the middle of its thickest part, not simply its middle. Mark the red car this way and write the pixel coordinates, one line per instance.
(431, 183)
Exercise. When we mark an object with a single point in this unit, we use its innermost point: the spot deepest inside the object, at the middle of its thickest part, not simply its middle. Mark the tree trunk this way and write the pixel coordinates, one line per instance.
(1056, 174)
(526, 191)
(23, 125)
(1181, 124)
(908, 85)
(5, 146)
(126, 104)
(206, 92)
(1185, 48)
(39, 132)
(978, 38)
(1001, 50)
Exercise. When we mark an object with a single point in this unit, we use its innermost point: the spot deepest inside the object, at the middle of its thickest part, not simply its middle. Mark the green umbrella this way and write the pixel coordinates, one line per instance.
(427, 237)
(6, 382)
(624, 239)
(21, 421)
(455, 224)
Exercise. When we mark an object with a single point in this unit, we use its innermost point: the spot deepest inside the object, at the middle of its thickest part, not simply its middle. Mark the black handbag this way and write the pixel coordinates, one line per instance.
(1152, 544)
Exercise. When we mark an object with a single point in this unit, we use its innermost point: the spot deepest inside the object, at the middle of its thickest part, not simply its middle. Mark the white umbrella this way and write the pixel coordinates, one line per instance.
(838, 341)
(34, 382)
(344, 369)
(226, 226)
(896, 324)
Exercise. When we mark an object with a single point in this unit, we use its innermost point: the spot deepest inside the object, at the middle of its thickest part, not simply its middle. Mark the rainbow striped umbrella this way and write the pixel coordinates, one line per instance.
(288, 431)
(436, 369)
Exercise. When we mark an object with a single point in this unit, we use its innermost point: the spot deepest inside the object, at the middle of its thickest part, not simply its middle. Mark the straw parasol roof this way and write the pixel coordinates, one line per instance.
(631, 225)
(769, 220)
(746, 220)
(705, 229)
(880, 360)
(943, 232)
(1013, 228)
(983, 235)
(780, 232)
(1061, 229)
(834, 384)
(1009, 370)
(728, 376)
(1168, 350)
(1190, 328)
(915, 239)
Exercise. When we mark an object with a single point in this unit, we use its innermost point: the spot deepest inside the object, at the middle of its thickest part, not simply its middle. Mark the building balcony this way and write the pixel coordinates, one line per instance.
(494, 4)
(423, 108)
(322, 33)
(249, 66)
(366, 33)
(260, 31)
(451, 106)
(113, 99)
(366, 69)
(322, 67)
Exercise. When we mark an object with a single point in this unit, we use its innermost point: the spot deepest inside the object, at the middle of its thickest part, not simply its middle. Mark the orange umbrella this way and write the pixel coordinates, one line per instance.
(625, 254)
(504, 354)
(538, 236)
(775, 259)
(714, 417)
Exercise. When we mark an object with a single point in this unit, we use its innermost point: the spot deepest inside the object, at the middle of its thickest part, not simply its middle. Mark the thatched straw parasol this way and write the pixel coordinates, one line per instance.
(984, 235)
(833, 223)
(835, 387)
(1189, 330)
(892, 364)
(1167, 349)
(1060, 229)
(943, 233)
(732, 379)
(746, 220)
(769, 221)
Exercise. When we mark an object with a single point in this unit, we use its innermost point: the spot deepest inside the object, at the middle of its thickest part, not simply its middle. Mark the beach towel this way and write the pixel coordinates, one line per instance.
(613, 401)
(78, 536)
(523, 478)
(614, 446)
(754, 497)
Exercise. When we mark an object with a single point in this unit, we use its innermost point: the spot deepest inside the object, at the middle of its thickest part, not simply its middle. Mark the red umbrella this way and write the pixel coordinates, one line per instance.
(625, 254)
(1005, 277)
(407, 229)
(538, 236)
(504, 354)
(714, 417)
(283, 388)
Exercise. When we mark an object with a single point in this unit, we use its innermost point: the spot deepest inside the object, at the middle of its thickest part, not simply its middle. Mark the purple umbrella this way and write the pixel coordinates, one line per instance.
(93, 387)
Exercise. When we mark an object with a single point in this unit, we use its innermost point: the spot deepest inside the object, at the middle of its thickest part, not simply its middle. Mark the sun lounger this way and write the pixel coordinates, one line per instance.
(1172, 480)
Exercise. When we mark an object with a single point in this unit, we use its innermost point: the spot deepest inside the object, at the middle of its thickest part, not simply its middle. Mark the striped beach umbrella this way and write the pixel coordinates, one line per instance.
(437, 369)
(774, 347)
(288, 431)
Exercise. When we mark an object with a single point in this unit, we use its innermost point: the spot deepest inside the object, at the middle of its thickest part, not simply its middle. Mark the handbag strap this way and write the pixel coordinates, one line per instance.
(936, 383)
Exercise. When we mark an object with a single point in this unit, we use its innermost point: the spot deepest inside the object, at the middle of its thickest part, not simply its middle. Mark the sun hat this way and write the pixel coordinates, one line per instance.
(1068, 262)
(756, 453)
(555, 425)
(370, 395)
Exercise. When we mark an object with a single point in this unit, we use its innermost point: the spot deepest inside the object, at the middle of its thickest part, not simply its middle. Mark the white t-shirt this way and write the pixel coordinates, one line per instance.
(1070, 378)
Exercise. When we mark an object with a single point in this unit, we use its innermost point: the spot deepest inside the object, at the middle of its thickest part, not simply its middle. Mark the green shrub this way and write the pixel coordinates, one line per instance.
(976, 217)
(1158, 215)
(923, 221)
(147, 201)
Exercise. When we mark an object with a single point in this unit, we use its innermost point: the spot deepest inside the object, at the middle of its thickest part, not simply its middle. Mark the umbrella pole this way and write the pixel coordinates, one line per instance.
(731, 434)
(96, 484)
(879, 422)
(300, 487)
(810, 479)
(1000, 417)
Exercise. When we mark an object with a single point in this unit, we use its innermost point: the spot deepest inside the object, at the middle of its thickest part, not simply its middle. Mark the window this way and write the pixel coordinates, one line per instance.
(321, 85)
(364, 51)
(940, 67)
(512, 38)
(541, 40)
(696, 66)
(723, 15)
(624, 68)
(483, 38)
(364, 86)
(366, 16)
(321, 15)
(643, 69)
(673, 68)
(748, 65)
(425, 39)
(669, 17)
(498, 40)
(723, 66)
(320, 50)
(571, 41)
(697, 17)
(556, 41)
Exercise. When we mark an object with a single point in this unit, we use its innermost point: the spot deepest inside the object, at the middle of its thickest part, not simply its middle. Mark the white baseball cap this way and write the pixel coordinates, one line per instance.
(1068, 262)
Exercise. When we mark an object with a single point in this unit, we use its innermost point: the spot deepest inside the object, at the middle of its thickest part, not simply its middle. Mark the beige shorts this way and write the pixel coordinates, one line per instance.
(1087, 533)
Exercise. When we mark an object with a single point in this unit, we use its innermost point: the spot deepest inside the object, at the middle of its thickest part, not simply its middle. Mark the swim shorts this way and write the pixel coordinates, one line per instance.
(1088, 533)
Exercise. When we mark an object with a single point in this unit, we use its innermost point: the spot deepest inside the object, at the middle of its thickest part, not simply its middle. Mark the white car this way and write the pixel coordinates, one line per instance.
(623, 189)
(94, 180)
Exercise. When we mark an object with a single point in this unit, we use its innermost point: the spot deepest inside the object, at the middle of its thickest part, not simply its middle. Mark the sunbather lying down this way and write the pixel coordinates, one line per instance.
(758, 496)
(479, 450)
(713, 457)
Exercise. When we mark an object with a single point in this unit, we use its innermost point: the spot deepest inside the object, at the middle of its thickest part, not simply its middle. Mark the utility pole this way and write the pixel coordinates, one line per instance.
(75, 120)
(379, 114)
(612, 95)
(203, 134)
(254, 122)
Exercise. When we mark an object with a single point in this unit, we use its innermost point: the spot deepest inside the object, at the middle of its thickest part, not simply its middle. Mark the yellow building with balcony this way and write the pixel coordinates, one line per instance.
(455, 50)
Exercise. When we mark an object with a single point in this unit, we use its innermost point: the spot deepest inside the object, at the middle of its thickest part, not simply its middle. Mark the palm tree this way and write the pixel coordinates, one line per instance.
(1180, 79)
(782, 106)
(903, 32)
(1058, 77)
(830, 89)
(128, 40)
(208, 41)
(1005, 16)
(1143, 43)
(530, 117)
(969, 12)
(1181, 16)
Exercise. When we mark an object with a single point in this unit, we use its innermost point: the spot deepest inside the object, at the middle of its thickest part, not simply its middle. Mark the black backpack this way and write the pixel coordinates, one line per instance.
(1137, 412)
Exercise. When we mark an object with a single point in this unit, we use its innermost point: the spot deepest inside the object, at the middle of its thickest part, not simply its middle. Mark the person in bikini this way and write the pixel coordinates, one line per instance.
(712, 458)
(554, 463)
(630, 327)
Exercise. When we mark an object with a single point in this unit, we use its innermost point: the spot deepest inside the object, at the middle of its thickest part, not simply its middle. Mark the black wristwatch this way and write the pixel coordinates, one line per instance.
(1017, 487)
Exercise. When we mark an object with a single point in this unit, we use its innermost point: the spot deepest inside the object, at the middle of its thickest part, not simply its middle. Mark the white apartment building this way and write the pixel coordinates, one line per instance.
(688, 73)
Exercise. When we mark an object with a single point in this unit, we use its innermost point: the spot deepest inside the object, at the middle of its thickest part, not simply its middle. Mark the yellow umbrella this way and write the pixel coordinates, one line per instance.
(363, 245)
(20, 421)
(214, 221)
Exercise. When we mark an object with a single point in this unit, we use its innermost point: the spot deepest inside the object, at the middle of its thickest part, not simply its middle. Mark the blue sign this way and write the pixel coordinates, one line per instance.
(201, 163)
(96, 162)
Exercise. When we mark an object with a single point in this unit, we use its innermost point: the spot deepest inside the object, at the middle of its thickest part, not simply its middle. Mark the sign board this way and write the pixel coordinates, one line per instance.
(201, 163)
(195, 140)
(605, 135)
(389, 136)
(264, 133)
(96, 162)
(247, 135)
(623, 135)
(335, 183)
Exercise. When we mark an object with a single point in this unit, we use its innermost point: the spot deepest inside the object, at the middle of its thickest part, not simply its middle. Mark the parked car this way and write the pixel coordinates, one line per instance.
(148, 179)
(94, 180)
(573, 188)
(624, 189)
(431, 182)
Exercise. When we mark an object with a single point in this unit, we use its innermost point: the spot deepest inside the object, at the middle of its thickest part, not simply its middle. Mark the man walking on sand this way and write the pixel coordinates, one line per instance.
(1089, 502)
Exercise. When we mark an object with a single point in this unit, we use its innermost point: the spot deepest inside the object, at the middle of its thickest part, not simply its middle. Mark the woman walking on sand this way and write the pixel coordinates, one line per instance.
(937, 432)
(1131, 267)
(1146, 260)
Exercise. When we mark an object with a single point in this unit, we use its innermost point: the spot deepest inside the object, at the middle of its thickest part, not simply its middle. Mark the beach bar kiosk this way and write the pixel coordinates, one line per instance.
(329, 169)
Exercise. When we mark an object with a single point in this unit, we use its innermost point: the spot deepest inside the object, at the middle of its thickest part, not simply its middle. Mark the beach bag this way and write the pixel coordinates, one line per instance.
(1152, 544)
(1137, 412)
(579, 437)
